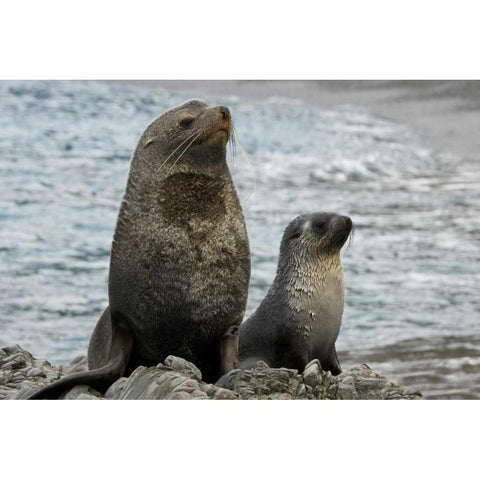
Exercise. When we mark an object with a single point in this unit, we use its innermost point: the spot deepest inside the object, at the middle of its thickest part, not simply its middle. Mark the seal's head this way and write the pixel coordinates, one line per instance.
(315, 235)
(178, 172)
(189, 132)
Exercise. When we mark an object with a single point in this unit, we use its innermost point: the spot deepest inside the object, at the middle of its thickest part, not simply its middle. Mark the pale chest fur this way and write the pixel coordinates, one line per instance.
(316, 297)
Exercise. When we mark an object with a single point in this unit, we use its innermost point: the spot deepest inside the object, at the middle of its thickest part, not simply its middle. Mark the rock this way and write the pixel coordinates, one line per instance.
(363, 383)
(165, 383)
(312, 375)
(177, 379)
(78, 364)
(23, 393)
(116, 388)
(183, 366)
(223, 394)
(21, 374)
(263, 383)
(35, 372)
(82, 392)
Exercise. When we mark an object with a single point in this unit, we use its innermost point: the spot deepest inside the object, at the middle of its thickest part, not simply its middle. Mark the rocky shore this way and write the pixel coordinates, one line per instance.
(21, 374)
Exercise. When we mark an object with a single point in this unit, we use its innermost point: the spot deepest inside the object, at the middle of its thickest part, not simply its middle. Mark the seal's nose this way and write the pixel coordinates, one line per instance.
(225, 112)
(347, 220)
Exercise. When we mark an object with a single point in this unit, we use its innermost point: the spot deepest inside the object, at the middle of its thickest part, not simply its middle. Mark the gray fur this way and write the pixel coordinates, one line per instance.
(300, 318)
(180, 260)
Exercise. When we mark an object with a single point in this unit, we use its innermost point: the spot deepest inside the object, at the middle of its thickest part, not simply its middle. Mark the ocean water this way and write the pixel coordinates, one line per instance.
(411, 272)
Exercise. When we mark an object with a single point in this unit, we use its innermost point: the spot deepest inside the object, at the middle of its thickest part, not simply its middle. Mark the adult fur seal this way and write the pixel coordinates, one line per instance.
(299, 319)
(180, 259)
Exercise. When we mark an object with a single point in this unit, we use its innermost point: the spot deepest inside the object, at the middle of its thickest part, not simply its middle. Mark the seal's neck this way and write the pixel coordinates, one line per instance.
(312, 286)
(156, 192)
(148, 175)
(307, 277)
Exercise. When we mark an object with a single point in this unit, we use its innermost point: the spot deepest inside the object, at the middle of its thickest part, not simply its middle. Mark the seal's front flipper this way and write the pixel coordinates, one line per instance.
(101, 378)
(229, 350)
(331, 363)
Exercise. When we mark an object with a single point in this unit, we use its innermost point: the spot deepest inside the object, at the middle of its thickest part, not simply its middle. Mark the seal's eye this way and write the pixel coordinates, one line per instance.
(186, 122)
(319, 226)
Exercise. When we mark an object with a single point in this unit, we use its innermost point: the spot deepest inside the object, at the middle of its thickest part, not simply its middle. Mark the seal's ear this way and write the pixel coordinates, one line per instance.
(148, 142)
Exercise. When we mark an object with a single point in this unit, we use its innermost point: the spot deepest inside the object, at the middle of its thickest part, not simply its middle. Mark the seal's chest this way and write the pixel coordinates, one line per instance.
(188, 199)
(317, 297)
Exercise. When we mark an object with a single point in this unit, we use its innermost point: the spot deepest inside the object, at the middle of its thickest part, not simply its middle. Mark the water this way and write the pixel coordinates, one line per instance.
(411, 273)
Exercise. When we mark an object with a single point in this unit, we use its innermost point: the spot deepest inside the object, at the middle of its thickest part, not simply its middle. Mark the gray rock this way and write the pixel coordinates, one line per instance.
(223, 394)
(116, 388)
(82, 392)
(23, 393)
(261, 365)
(263, 383)
(180, 365)
(363, 383)
(312, 375)
(21, 374)
(346, 388)
(78, 364)
(164, 383)
(35, 372)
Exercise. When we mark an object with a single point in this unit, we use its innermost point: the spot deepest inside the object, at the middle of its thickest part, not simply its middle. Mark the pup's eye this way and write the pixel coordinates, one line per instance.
(186, 122)
(320, 226)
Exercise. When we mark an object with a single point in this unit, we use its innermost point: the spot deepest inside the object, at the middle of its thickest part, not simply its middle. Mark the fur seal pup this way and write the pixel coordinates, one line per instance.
(180, 259)
(299, 319)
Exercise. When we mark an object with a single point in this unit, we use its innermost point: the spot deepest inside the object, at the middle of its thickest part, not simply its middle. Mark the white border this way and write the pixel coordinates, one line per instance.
(238, 440)
(247, 39)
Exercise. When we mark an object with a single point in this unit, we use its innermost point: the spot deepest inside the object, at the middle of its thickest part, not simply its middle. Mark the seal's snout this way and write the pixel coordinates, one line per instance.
(341, 228)
(225, 112)
(342, 223)
(347, 221)
(340, 220)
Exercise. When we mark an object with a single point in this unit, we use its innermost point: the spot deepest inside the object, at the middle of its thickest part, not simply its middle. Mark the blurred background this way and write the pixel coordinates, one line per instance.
(400, 158)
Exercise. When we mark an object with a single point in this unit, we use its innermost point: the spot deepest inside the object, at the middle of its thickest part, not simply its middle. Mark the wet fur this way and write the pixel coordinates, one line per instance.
(300, 317)
(180, 260)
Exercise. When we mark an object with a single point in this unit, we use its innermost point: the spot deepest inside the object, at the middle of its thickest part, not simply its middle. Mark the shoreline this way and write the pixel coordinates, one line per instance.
(441, 366)
(446, 113)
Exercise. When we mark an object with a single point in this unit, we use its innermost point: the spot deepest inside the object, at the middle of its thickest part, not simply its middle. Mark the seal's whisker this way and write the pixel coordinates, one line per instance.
(231, 142)
(179, 146)
(350, 239)
(251, 168)
(180, 156)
